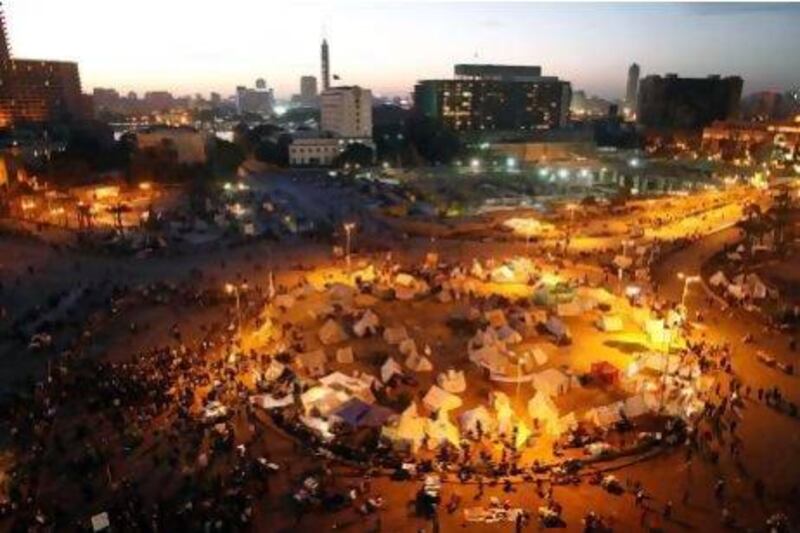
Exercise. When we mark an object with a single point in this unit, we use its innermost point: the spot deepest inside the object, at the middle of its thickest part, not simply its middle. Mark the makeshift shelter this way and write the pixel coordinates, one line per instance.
(605, 373)
(490, 358)
(395, 335)
(313, 362)
(479, 417)
(407, 347)
(552, 382)
(331, 333)
(438, 399)
(542, 408)
(557, 328)
(718, 279)
(452, 381)
(274, 371)
(345, 355)
(357, 413)
(323, 400)
(418, 363)
(610, 323)
(389, 369)
(508, 335)
(100, 522)
(367, 324)
(359, 386)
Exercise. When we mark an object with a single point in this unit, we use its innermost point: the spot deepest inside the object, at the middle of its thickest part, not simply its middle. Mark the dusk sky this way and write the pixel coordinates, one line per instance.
(188, 46)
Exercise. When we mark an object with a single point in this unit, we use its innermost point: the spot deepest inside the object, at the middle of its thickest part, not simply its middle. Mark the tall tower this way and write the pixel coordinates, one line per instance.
(632, 89)
(5, 49)
(326, 66)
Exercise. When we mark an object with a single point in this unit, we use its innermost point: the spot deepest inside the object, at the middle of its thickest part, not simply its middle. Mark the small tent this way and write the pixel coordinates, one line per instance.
(345, 355)
(395, 335)
(542, 408)
(367, 324)
(552, 382)
(331, 333)
(438, 399)
(496, 318)
(508, 335)
(418, 363)
(610, 323)
(408, 431)
(718, 279)
(441, 431)
(313, 362)
(605, 373)
(539, 355)
(479, 417)
(452, 381)
(389, 369)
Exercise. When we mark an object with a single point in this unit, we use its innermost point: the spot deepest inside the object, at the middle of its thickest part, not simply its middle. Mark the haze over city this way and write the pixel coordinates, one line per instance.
(188, 47)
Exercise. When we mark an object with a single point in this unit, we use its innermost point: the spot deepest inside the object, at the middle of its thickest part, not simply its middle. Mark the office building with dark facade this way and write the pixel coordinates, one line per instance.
(486, 98)
(33, 90)
(673, 103)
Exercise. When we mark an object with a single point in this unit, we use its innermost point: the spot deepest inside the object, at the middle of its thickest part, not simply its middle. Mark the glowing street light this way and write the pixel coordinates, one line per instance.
(232, 288)
(348, 229)
(475, 164)
(563, 173)
(511, 163)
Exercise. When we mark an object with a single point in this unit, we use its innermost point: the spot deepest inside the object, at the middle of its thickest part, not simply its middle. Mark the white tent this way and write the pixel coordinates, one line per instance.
(407, 347)
(490, 358)
(100, 522)
(274, 370)
(395, 335)
(610, 323)
(438, 399)
(345, 355)
(469, 420)
(452, 381)
(267, 401)
(389, 369)
(359, 386)
(323, 399)
(552, 382)
(367, 324)
(542, 408)
(331, 333)
(419, 363)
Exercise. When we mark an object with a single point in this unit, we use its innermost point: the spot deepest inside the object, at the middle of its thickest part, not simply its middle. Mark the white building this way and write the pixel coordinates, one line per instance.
(347, 112)
(319, 151)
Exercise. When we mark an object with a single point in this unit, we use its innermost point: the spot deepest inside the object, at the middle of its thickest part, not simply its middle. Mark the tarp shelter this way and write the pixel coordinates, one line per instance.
(345, 355)
(313, 362)
(472, 419)
(407, 347)
(359, 386)
(395, 335)
(274, 370)
(357, 413)
(605, 373)
(610, 323)
(737, 291)
(438, 399)
(452, 381)
(408, 431)
(542, 408)
(490, 358)
(389, 369)
(367, 324)
(552, 382)
(331, 333)
(323, 400)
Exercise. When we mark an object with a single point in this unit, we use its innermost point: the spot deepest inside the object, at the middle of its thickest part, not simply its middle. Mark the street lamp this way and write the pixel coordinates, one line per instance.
(232, 288)
(348, 229)
(686, 281)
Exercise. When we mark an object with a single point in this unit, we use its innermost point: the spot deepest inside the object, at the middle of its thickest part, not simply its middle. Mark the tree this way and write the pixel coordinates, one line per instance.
(356, 154)
(431, 140)
(224, 157)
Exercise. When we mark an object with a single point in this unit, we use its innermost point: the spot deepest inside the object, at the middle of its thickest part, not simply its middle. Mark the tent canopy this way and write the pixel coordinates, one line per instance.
(331, 333)
(552, 382)
(438, 399)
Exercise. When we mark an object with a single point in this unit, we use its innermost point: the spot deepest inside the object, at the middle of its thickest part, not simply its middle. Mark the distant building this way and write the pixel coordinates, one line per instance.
(347, 112)
(495, 98)
(315, 152)
(105, 99)
(189, 144)
(308, 90)
(731, 139)
(255, 101)
(261, 84)
(326, 66)
(158, 100)
(671, 102)
(632, 87)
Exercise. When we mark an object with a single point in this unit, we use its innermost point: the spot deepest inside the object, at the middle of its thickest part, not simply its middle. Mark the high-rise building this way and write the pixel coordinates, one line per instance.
(632, 88)
(37, 90)
(261, 84)
(326, 66)
(495, 98)
(670, 102)
(347, 112)
(308, 90)
(256, 101)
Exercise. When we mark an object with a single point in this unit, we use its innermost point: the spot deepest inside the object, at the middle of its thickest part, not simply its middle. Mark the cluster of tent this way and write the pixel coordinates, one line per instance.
(743, 286)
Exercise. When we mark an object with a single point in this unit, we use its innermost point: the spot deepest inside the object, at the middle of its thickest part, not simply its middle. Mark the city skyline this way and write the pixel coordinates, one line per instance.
(661, 38)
